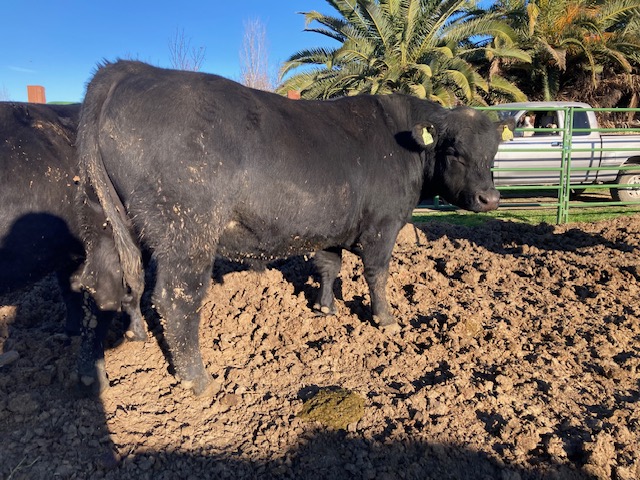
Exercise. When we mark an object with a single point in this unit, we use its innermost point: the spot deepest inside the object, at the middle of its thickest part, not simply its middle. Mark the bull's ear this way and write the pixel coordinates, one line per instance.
(505, 128)
(425, 135)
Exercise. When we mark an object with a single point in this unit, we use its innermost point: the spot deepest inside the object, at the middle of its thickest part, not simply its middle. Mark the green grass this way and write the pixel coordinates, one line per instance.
(531, 216)
(542, 208)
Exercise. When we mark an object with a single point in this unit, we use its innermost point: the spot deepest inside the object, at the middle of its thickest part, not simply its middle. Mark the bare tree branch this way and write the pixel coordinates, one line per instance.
(254, 57)
(182, 55)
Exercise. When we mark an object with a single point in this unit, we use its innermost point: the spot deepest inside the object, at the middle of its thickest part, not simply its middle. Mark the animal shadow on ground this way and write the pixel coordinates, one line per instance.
(35, 245)
(296, 270)
(506, 237)
(48, 432)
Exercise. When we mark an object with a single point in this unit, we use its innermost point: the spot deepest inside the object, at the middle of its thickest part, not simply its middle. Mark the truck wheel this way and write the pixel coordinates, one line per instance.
(574, 193)
(627, 194)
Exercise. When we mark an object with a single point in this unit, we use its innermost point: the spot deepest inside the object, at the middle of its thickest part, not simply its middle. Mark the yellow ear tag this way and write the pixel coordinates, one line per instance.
(427, 139)
(507, 134)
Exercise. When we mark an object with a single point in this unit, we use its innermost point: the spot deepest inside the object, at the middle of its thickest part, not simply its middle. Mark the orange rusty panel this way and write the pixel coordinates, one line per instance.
(35, 94)
(293, 94)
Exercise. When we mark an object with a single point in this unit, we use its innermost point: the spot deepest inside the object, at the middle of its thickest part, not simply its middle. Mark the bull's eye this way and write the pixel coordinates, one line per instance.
(455, 156)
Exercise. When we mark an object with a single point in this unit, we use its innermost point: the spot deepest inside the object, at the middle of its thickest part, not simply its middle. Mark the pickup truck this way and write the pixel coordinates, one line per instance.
(541, 126)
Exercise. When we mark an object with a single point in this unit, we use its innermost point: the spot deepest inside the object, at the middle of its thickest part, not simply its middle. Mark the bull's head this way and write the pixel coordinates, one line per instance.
(467, 142)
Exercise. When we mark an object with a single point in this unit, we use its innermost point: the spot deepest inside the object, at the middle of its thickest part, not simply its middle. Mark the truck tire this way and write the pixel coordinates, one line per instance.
(627, 177)
(575, 193)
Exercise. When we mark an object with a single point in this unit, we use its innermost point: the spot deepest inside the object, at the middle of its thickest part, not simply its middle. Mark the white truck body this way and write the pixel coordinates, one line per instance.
(549, 116)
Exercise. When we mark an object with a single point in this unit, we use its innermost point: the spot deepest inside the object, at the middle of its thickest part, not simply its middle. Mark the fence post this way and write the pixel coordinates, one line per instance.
(565, 174)
(35, 94)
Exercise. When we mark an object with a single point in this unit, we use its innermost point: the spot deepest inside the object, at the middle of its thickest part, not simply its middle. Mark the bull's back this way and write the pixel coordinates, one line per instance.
(37, 160)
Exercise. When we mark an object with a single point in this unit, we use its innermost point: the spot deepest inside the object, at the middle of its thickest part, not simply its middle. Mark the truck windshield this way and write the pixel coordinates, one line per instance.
(507, 114)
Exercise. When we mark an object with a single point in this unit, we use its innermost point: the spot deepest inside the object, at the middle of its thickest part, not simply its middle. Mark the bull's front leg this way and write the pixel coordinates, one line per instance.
(376, 255)
(328, 262)
(376, 277)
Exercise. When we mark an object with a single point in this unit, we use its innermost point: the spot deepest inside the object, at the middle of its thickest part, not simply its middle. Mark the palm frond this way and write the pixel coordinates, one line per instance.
(507, 89)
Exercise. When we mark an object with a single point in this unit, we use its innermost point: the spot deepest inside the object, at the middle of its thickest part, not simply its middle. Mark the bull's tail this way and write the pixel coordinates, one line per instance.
(94, 177)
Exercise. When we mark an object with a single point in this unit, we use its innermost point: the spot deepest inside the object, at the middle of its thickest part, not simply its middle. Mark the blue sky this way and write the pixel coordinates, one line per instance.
(58, 43)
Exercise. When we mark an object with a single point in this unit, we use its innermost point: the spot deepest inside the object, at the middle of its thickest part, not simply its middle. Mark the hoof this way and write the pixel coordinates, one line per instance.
(205, 388)
(136, 332)
(324, 309)
(132, 336)
(386, 322)
(87, 386)
(391, 329)
(92, 381)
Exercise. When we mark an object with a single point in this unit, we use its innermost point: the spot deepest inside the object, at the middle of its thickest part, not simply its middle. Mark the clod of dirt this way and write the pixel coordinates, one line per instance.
(9, 357)
(335, 408)
(600, 454)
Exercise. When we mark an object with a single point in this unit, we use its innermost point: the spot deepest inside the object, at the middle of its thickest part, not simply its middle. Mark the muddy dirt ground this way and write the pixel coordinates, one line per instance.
(518, 357)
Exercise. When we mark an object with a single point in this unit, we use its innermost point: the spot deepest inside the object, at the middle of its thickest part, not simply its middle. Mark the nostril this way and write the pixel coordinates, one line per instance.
(489, 199)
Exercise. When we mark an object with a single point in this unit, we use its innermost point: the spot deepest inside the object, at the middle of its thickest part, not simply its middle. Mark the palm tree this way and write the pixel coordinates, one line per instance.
(418, 47)
(619, 48)
(595, 38)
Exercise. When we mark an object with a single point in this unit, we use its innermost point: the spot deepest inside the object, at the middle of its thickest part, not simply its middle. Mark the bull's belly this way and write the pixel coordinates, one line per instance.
(239, 242)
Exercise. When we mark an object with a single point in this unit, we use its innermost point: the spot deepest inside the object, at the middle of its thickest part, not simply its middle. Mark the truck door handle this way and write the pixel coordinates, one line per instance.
(556, 144)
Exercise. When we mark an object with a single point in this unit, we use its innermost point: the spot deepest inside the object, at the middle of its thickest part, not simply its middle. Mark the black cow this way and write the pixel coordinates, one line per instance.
(39, 231)
(39, 227)
(190, 165)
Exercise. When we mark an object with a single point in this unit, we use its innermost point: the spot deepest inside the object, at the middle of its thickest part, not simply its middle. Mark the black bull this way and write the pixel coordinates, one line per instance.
(39, 224)
(190, 165)
(39, 231)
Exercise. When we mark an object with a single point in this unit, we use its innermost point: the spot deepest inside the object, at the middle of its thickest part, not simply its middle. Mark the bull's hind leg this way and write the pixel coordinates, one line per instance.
(102, 272)
(180, 288)
(73, 303)
(92, 374)
(136, 330)
(328, 263)
(100, 280)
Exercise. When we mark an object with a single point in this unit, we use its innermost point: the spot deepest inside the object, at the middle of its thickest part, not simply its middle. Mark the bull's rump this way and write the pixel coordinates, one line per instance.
(264, 174)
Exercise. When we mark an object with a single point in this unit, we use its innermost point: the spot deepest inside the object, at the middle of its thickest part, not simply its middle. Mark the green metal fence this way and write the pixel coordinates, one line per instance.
(563, 191)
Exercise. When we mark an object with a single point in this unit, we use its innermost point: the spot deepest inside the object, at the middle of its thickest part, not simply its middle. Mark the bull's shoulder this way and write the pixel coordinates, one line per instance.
(32, 125)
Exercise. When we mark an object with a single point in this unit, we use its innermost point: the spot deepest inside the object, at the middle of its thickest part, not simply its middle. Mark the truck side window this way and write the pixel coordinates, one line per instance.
(580, 120)
(547, 120)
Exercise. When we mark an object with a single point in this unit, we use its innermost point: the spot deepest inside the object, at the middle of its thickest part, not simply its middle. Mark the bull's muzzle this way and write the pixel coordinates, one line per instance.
(487, 200)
